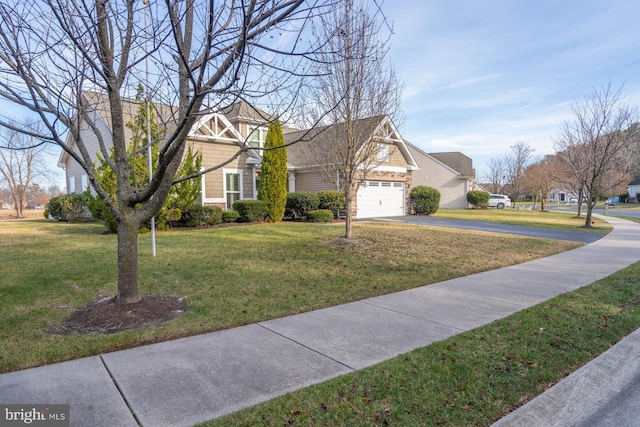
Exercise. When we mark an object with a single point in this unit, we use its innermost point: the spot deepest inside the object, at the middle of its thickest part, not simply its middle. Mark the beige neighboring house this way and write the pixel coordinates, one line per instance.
(220, 135)
(451, 173)
(385, 182)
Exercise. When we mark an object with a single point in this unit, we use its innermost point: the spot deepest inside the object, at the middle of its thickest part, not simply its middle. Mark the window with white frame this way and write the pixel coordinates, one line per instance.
(257, 136)
(232, 187)
(383, 152)
(85, 182)
(72, 184)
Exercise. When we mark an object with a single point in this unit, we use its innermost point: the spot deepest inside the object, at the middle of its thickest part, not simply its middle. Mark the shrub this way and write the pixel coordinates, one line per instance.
(273, 174)
(250, 210)
(69, 207)
(426, 200)
(301, 202)
(230, 216)
(99, 211)
(623, 197)
(332, 200)
(320, 215)
(197, 215)
(478, 197)
(54, 208)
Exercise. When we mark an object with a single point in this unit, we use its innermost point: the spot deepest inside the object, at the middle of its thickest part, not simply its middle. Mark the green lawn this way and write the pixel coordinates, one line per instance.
(474, 378)
(551, 219)
(230, 276)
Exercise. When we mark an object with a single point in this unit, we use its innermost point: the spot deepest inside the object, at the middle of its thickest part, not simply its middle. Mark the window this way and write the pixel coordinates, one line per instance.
(257, 136)
(232, 187)
(72, 184)
(85, 183)
(383, 152)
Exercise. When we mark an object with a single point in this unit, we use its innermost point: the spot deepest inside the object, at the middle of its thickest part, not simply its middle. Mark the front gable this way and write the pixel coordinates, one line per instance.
(387, 133)
(215, 127)
(219, 143)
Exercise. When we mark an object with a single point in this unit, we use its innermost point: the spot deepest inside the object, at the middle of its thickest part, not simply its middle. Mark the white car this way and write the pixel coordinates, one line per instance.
(499, 201)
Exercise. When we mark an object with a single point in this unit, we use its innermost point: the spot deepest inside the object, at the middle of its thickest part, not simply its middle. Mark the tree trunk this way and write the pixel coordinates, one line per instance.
(128, 262)
(19, 210)
(580, 196)
(349, 208)
(587, 222)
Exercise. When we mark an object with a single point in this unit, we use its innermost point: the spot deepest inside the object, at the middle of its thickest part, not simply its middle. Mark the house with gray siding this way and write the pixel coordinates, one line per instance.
(451, 173)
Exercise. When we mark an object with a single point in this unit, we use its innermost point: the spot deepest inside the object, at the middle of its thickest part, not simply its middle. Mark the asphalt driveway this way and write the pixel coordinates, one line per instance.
(544, 233)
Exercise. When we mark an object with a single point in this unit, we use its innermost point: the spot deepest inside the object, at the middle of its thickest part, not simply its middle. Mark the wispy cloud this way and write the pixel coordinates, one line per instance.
(481, 76)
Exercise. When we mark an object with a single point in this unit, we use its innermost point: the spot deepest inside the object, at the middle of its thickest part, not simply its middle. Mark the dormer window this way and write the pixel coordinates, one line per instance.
(257, 136)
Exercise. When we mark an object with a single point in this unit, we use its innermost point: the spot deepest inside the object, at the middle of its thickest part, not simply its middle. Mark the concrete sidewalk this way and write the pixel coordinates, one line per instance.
(190, 380)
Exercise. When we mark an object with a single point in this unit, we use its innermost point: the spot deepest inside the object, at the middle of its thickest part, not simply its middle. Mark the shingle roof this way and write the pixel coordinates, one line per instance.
(636, 181)
(164, 114)
(244, 111)
(456, 161)
(314, 146)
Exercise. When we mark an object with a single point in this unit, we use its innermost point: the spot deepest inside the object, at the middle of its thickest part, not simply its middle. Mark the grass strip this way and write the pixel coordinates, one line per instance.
(557, 220)
(471, 379)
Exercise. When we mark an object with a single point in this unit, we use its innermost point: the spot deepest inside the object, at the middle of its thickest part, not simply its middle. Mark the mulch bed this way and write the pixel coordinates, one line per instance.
(106, 316)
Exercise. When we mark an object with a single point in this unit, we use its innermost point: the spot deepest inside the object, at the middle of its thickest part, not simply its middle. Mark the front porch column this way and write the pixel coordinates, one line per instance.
(292, 181)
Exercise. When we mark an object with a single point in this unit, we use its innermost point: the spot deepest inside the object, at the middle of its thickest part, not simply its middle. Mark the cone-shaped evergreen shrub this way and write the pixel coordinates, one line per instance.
(272, 188)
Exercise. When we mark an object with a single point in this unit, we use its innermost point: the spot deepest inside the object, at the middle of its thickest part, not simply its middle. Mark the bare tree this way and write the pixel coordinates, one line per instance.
(496, 174)
(21, 162)
(596, 146)
(540, 179)
(359, 89)
(515, 164)
(201, 54)
(37, 195)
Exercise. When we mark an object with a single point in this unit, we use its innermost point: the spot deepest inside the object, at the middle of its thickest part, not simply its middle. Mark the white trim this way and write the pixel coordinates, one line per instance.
(222, 125)
(214, 200)
(399, 141)
(385, 168)
(84, 179)
(203, 187)
(255, 185)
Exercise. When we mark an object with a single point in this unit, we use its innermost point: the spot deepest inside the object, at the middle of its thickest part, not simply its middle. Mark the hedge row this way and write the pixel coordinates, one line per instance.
(300, 203)
(78, 207)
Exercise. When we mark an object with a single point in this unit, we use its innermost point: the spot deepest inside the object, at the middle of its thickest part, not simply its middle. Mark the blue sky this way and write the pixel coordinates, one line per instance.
(480, 76)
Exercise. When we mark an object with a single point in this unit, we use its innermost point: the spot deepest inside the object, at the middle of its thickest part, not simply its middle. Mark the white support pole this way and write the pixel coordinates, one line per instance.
(149, 151)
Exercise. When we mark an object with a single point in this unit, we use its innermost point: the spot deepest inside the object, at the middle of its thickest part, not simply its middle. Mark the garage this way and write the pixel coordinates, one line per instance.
(380, 198)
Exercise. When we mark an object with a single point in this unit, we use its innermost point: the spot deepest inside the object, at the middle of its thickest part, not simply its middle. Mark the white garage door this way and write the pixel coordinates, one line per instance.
(380, 198)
